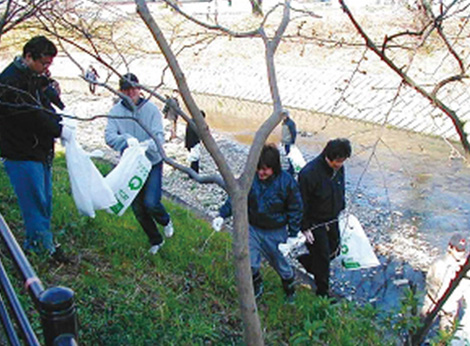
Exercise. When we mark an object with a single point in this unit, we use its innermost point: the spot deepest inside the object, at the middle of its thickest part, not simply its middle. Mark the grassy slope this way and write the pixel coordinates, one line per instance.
(184, 295)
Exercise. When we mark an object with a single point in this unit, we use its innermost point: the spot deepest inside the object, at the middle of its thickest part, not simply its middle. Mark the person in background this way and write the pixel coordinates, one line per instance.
(289, 134)
(171, 110)
(322, 187)
(28, 128)
(192, 144)
(438, 279)
(92, 76)
(122, 133)
(274, 213)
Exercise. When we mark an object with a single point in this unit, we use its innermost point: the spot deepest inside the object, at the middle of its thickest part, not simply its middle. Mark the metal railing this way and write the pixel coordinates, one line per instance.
(56, 305)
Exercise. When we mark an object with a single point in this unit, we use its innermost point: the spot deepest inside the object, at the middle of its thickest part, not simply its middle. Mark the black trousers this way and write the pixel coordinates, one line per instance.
(195, 166)
(324, 248)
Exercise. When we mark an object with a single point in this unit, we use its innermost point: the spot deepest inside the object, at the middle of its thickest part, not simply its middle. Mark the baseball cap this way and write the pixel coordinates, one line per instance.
(127, 80)
(458, 242)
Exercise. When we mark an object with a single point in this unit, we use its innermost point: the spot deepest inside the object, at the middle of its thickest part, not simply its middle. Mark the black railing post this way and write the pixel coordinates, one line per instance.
(65, 340)
(58, 315)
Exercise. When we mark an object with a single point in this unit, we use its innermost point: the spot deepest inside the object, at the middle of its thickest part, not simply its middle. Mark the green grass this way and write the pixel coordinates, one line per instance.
(184, 295)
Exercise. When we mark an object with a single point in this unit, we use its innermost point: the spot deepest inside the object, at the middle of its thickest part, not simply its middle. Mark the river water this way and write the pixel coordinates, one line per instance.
(397, 172)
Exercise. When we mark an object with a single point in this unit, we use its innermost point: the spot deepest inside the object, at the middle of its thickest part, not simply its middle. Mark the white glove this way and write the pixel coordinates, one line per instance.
(132, 142)
(286, 247)
(217, 223)
(67, 133)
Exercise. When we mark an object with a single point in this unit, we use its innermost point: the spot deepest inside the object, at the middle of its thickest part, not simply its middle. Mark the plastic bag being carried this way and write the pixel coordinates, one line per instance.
(296, 158)
(356, 251)
(195, 153)
(128, 177)
(89, 189)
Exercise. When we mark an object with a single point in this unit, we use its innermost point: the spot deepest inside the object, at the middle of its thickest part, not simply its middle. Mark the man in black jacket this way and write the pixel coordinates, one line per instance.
(322, 187)
(28, 128)
(192, 144)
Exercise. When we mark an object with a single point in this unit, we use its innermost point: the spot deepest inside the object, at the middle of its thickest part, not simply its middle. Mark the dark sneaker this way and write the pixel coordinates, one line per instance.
(289, 288)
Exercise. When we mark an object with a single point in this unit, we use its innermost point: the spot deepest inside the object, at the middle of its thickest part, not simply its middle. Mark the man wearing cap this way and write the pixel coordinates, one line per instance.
(122, 133)
(438, 279)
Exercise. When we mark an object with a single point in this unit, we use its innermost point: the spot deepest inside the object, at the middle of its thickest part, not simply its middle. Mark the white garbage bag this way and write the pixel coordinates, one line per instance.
(292, 244)
(356, 251)
(128, 177)
(296, 158)
(195, 153)
(89, 189)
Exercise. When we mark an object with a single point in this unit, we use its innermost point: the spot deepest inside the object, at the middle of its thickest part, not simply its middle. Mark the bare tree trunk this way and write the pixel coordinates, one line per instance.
(237, 190)
(248, 309)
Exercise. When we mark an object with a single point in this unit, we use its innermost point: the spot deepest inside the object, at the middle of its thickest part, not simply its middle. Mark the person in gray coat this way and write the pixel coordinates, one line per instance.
(121, 133)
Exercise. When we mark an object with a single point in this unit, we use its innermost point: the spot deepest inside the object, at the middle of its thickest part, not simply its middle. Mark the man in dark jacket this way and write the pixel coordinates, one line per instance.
(322, 187)
(274, 213)
(192, 144)
(28, 128)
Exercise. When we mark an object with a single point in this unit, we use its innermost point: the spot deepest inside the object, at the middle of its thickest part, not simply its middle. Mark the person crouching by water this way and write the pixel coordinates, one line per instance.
(438, 279)
(274, 213)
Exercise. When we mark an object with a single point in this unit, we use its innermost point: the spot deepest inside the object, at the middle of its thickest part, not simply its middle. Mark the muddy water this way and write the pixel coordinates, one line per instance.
(396, 172)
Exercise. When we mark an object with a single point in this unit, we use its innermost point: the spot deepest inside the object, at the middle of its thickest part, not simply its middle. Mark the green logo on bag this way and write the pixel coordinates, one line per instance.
(349, 264)
(344, 249)
(117, 207)
(135, 183)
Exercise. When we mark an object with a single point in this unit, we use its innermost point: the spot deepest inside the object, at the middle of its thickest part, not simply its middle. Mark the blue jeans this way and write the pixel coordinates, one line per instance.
(291, 168)
(148, 208)
(264, 243)
(32, 182)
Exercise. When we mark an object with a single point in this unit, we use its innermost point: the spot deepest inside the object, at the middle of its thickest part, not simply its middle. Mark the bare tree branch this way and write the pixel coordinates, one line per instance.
(222, 29)
(458, 124)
